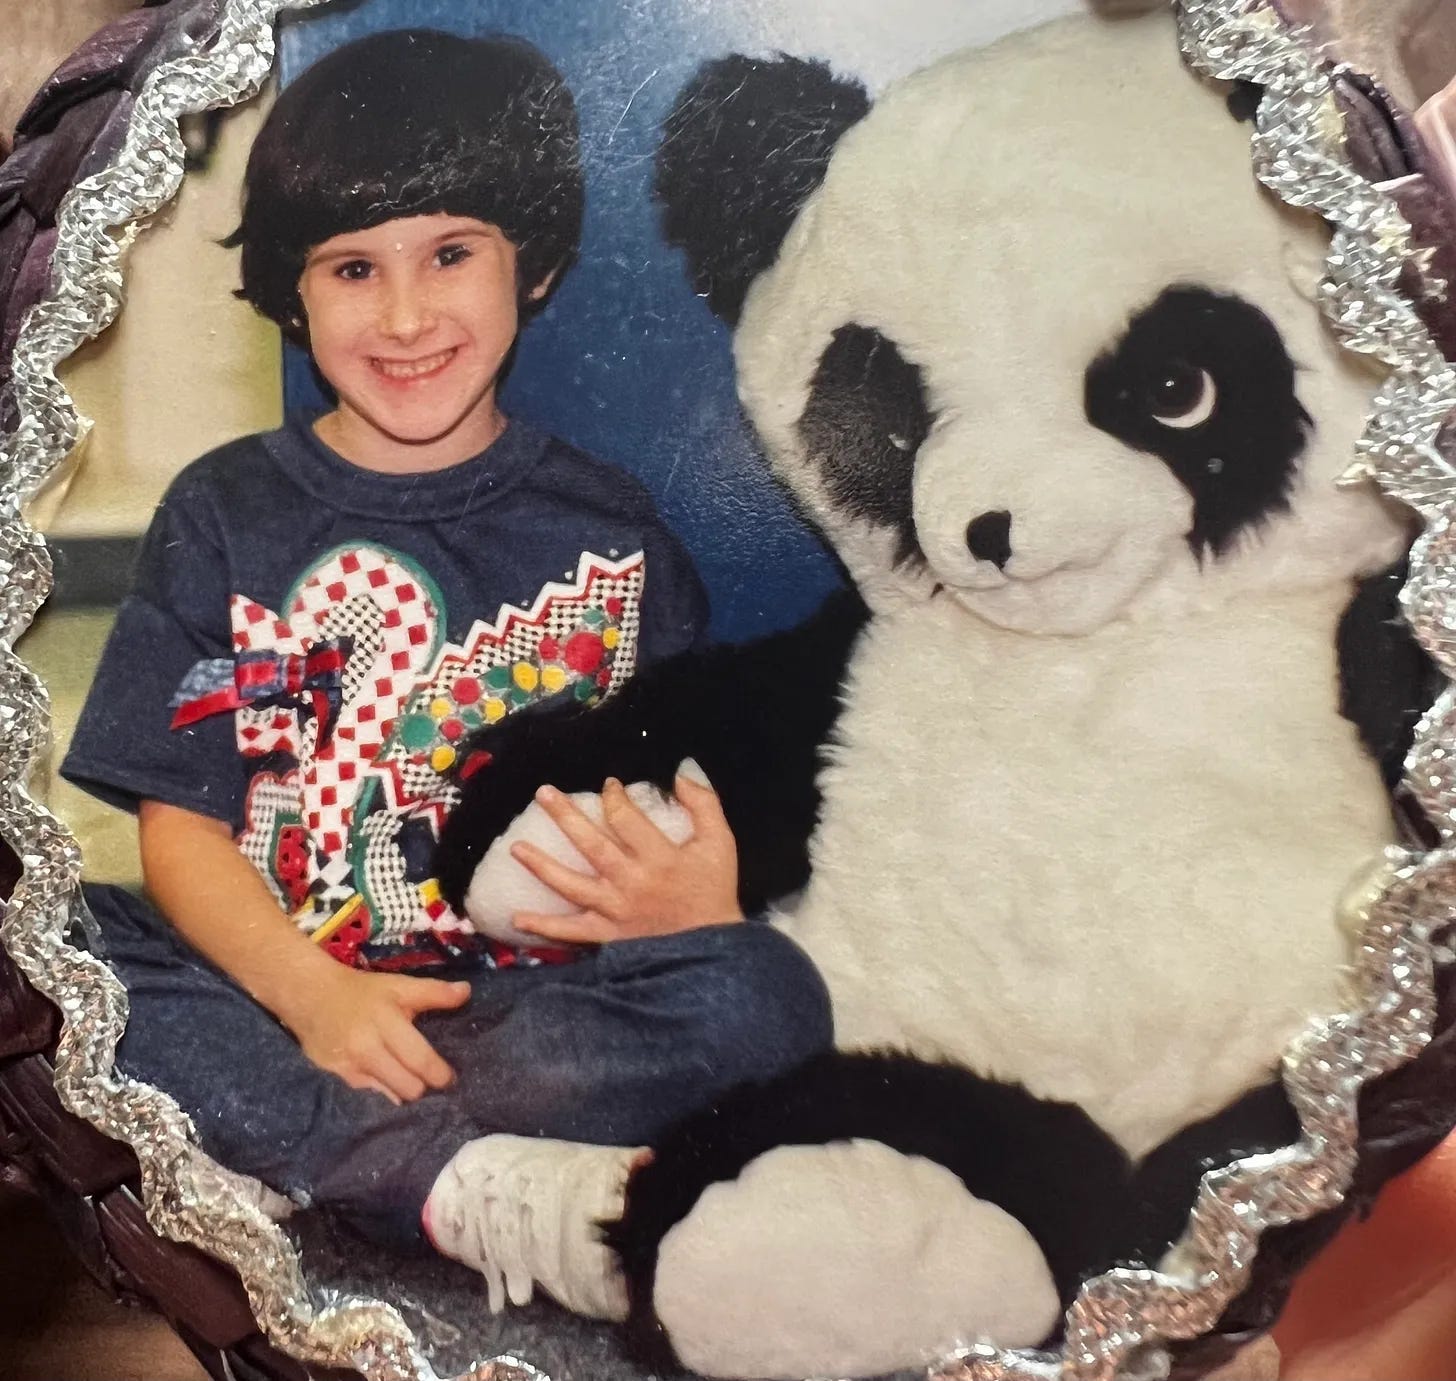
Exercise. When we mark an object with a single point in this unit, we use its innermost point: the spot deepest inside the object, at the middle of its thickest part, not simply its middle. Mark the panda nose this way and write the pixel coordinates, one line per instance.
(989, 538)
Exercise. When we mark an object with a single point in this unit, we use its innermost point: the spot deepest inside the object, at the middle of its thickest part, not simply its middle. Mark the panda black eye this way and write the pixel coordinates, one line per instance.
(1181, 395)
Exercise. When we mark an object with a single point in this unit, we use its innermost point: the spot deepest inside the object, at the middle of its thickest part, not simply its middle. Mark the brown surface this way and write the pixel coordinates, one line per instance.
(1379, 1304)
(57, 1325)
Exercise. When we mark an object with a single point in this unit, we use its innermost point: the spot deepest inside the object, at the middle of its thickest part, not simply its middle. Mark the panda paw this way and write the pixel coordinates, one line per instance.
(847, 1259)
(498, 773)
(501, 886)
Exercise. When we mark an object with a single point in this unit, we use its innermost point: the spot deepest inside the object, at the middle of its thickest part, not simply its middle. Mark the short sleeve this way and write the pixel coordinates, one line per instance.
(124, 750)
(674, 602)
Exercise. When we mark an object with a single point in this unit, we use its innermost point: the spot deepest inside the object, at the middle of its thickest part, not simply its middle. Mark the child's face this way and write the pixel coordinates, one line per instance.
(410, 322)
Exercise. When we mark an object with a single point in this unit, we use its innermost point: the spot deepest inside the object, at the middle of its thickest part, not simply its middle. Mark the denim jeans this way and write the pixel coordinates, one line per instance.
(610, 1049)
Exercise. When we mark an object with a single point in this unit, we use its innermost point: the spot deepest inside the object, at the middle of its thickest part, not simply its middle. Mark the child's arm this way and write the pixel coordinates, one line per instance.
(644, 884)
(357, 1025)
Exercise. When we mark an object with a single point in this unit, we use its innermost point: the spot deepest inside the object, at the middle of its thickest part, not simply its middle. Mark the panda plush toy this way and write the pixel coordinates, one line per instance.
(1075, 780)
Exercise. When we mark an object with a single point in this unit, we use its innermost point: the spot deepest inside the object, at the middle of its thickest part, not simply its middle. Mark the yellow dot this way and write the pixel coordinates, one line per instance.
(525, 676)
(440, 708)
(430, 890)
(611, 637)
(553, 678)
(494, 710)
(442, 757)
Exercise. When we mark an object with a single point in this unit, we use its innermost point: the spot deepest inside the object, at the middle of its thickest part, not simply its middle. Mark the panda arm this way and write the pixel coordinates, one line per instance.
(752, 715)
(1386, 680)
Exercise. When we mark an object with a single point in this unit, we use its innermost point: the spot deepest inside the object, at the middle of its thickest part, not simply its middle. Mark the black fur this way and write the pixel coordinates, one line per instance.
(1240, 463)
(753, 716)
(1386, 679)
(1167, 1178)
(863, 425)
(744, 146)
(1045, 1163)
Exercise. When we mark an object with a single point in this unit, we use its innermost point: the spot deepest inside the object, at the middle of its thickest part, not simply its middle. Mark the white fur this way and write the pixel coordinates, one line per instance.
(1085, 826)
(948, 1270)
(1115, 878)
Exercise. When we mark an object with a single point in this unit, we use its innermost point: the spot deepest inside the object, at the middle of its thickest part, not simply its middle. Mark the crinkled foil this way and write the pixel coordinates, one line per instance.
(1118, 1319)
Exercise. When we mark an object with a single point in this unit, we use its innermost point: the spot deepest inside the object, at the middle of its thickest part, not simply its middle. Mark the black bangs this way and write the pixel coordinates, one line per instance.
(409, 123)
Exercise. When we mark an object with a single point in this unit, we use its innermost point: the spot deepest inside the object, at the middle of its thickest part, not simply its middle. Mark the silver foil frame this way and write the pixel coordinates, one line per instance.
(1119, 1319)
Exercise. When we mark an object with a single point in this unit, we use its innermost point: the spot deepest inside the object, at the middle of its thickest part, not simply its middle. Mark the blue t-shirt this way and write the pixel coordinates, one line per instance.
(309, 644)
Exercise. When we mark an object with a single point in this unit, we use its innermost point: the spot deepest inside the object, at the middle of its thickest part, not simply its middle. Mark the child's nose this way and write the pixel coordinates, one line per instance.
(407, 310)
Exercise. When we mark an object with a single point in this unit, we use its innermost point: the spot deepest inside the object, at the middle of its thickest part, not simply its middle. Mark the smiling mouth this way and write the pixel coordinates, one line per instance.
(408, 370)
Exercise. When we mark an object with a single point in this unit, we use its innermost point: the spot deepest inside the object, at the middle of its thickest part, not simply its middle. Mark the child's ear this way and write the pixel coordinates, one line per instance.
(545, 285)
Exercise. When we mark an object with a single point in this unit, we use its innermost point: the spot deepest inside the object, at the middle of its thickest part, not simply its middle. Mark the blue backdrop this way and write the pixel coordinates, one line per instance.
(626, 362)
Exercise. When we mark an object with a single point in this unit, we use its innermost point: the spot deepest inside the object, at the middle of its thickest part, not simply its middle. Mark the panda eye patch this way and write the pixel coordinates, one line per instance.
(1182, 395)
(862, 426)
(1202, 381)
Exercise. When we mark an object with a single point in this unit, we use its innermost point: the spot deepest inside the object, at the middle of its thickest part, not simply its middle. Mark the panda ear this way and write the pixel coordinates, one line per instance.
(744, 146)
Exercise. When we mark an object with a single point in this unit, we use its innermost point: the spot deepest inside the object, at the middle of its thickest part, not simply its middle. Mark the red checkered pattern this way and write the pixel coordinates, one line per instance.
(271, 798)
(371, 592)
(374, 598)
(267, 729)
(255, 627)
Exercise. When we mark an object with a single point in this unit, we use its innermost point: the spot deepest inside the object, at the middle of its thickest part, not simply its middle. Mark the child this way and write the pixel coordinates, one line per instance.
(313, 630)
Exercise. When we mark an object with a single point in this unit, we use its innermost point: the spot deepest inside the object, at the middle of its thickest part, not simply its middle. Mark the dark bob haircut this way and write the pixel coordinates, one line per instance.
(411, 122)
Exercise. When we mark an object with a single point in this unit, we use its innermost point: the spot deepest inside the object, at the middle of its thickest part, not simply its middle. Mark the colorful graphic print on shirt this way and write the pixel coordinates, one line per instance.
(342, 818)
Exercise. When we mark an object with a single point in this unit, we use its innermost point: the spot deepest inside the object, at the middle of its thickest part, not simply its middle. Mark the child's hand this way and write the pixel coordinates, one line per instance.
(360, 1026)
(644, 883)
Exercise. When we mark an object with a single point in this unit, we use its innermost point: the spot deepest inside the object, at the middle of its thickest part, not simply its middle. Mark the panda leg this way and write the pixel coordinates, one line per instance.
(848, 1260)
(859, 1214)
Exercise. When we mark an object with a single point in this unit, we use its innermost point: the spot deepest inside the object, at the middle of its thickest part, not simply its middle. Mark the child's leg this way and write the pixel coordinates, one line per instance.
(619, 1045)
(608, 1050)
(259, 1105)
(612, 1050)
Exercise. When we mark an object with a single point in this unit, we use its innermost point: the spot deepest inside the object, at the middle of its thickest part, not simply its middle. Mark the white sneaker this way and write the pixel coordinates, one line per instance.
(525, 1210)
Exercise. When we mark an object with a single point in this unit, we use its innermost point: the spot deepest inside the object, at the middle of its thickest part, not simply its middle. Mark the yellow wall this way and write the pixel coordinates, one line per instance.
(186, 366)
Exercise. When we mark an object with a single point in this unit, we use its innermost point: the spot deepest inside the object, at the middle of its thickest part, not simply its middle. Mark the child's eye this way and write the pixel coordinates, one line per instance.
(354, 270)
(449, 255)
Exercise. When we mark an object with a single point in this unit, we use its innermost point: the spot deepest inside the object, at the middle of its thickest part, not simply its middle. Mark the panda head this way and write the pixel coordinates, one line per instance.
(1026, 332)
